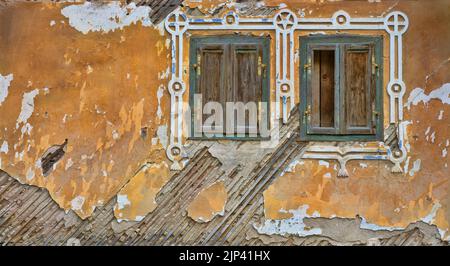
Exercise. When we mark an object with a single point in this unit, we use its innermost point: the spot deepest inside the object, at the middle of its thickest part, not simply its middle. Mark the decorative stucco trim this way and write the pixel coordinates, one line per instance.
(285, 23)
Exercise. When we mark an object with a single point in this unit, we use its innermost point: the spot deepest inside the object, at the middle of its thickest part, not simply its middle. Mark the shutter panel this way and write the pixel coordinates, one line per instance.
(248, 73)
(358, 90)
(212, 78)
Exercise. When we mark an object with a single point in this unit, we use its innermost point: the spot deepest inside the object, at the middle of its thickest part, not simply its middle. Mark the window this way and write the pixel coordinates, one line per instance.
(229, 69)
(341, 88)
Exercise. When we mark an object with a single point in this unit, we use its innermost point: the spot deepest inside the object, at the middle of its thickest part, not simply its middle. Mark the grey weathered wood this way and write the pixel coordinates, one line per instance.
(357, 90)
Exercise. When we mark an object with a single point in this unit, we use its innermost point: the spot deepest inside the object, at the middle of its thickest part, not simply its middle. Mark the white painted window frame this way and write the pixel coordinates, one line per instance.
(285, 23)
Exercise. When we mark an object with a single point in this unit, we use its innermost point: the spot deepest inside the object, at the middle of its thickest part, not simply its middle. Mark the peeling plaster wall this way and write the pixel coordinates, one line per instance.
(86, 73)
(97, 75)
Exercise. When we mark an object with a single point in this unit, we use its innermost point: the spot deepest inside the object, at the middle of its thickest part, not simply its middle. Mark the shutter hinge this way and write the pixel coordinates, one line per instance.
(375, 118)
(307, 114)
(308, 65)
(197, 66)
(261, 67)
(374, 65)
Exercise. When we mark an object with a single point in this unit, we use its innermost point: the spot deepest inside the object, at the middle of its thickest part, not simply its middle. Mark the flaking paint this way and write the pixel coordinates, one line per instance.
(104, 83)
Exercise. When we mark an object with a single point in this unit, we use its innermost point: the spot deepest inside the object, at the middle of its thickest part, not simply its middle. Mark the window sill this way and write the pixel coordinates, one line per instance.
(341, 138)
(204, 138)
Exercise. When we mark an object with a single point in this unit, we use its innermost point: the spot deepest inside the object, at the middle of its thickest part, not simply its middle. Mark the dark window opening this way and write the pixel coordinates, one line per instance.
(323, 83)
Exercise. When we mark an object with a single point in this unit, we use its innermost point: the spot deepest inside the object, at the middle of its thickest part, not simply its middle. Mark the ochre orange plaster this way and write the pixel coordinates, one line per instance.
(208, 203)
(101, 96)
(137, 198)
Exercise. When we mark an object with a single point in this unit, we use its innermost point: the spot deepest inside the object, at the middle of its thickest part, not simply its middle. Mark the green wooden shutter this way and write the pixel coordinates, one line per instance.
(212, 76)
(357, 89)
(229, 68)
(358, 81)
(246, 79)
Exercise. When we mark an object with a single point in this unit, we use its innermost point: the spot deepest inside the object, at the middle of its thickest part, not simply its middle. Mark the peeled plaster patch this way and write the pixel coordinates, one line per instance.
(209, 202)
(30, 174)
(429, 219)
(5, 81)
(161, 134)
(77, 203)
(296, 224)
(105, 17)
(415, 168)
(137, 198)
(418, 95)
(232, 154)
(27, 109)
(4, 147)
(160, 94)
(122, 201)
(291, 167)
(292, 226)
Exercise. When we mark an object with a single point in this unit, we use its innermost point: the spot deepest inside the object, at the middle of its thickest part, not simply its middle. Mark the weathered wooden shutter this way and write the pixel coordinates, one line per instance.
(229, 69)
(358, 90)
(355, 112)
(322, 90)
(212, 76)
(248, 72)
